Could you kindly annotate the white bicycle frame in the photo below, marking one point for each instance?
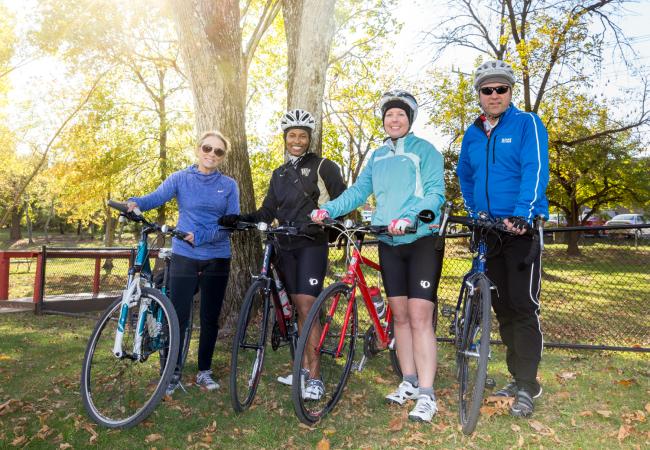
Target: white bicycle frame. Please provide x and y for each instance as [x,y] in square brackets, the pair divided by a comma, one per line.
[129,296]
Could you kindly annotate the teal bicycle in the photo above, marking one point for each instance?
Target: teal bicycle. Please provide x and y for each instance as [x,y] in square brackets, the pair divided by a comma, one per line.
[132,352]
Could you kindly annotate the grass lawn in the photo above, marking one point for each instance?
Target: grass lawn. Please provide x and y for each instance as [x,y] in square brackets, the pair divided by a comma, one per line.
[591,400]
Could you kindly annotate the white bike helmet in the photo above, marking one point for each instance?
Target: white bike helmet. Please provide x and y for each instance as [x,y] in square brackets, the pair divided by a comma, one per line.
[494,71]
[297,118]
[399,99]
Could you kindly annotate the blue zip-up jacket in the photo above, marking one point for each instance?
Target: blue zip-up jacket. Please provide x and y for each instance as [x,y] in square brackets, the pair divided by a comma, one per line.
[202,200]
[507,174]
[405,177]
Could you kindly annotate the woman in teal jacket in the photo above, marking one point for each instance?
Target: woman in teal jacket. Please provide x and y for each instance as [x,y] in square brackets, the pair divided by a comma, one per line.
[406,175]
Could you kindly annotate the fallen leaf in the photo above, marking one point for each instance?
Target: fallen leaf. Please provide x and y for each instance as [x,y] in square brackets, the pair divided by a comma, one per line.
[586,414]
[488,411]
[515,428]
[323,444]
[19,440]
[647,407]
[329,431]
[627,383]
[520,441]
[65,446]
[563,395]
[604,412]
[623,432]
[396,424]
[537,426]
[152,438]
[564,376]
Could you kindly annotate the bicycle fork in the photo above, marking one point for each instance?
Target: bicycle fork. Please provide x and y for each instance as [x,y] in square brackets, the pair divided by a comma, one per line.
[132,292]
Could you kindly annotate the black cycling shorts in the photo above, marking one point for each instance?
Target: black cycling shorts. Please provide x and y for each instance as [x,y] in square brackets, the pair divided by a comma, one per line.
[411,269]
[303,269]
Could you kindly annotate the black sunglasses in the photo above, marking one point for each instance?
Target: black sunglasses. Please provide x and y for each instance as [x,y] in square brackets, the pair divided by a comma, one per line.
[205,148]
[499,90]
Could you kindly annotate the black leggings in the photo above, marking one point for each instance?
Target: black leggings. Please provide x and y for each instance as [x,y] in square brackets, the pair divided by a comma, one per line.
[211,277]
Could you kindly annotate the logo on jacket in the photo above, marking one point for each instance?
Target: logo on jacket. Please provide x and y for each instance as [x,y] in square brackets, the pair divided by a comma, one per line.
[313,281]
[425,284]
[506,140]
[305,171]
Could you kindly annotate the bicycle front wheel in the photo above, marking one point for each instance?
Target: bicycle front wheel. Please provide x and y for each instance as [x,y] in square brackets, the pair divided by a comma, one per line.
[120,392]
[329,353]
[474,352]
[248,346]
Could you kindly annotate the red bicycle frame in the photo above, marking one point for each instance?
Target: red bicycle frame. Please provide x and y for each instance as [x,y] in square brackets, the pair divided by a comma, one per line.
[355,278]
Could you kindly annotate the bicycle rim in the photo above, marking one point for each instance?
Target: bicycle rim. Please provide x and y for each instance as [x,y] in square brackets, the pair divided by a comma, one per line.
[327,317]
[474,353]
[249,346]
[121,392]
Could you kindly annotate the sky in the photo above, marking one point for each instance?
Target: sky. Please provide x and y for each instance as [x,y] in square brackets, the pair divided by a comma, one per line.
[418,16]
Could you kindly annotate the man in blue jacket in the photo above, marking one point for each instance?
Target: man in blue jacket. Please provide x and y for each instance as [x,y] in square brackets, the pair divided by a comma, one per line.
[503,170]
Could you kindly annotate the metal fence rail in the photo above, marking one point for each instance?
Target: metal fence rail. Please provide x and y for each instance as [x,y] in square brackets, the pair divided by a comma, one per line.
[599,299]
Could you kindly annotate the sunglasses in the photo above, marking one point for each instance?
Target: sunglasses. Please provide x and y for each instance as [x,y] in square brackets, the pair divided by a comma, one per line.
[205,148]
[499,90]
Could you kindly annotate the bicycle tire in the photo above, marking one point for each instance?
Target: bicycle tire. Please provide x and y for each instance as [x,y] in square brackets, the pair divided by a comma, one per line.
[473,354]
[329,309]
[247,360]
[104,394]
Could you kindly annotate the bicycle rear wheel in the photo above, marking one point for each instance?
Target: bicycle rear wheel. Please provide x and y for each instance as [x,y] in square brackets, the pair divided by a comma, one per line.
[120,392]
[249,346]
[335,351]
[474,352]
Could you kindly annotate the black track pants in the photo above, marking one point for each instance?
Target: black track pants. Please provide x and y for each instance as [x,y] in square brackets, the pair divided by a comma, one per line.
[517,305]
[212,281]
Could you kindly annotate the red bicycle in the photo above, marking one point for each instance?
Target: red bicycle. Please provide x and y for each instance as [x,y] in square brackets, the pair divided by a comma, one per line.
[334,315]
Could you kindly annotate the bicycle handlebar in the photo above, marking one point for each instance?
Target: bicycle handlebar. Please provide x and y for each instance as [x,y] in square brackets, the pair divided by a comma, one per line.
[366,229]
[136,216]
[266,228]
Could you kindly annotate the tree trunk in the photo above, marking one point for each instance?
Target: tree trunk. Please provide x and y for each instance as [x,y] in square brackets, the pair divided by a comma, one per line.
[109,228]
[162,141]
[28,222]
[571,239]
[309,27]
[14,232]
[211,45]
[46,227]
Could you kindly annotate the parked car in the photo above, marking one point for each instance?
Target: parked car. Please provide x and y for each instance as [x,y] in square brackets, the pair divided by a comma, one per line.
[593,221]
[555,220]
[628,219]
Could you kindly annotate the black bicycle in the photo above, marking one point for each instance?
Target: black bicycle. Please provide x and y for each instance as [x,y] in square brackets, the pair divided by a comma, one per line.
[471,319]
[265,300]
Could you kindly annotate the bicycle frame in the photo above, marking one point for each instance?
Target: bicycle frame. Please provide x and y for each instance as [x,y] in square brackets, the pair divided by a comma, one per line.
[355,278]
[140,267]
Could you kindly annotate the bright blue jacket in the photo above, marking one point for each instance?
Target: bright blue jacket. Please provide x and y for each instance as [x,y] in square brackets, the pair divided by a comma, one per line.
[507,174]
[202,200]
[405,177]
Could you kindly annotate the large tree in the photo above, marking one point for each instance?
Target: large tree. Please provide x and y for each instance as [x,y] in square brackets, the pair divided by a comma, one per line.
[554,48]
[216,60]
[309,26]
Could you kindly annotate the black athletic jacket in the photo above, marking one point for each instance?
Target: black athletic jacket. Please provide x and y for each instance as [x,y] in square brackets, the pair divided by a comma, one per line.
[295,191]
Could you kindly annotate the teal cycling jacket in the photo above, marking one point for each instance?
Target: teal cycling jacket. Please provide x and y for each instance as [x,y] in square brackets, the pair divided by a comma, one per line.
[406,177]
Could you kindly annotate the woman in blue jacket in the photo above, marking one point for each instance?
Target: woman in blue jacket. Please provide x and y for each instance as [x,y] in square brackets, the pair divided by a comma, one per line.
[204,195]
[406,175]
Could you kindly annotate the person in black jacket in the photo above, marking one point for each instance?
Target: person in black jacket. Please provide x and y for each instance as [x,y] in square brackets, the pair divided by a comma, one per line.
[303,183]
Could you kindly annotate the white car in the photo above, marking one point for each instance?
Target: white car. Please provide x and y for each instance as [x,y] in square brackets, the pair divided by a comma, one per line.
[628,219]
